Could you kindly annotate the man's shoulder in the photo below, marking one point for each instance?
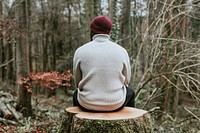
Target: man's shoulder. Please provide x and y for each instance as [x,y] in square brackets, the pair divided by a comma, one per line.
[83,46]
[118,46]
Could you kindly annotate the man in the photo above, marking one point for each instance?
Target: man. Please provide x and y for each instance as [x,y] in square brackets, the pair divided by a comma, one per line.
[102,71]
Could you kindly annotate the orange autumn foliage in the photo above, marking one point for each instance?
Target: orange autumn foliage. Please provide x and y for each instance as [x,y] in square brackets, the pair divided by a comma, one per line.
[8,30]
[50,80]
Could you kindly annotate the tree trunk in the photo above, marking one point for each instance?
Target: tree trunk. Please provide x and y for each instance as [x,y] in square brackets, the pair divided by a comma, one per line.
[28,19]
[24,96]
[125,25]
[97,7]
[54,28]
[91,9]
[171,99]
[113,16]
[127,120]
[193,32]
[112,10]
[44,43]
[2,56]
[69,26]
[54,21]
[9,67]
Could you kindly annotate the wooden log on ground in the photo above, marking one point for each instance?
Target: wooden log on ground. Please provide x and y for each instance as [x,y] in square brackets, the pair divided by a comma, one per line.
[127,120]
[8,121]
[5,111]
[16,114]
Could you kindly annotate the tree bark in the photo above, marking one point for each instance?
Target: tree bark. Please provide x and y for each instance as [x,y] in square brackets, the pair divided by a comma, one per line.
[44,43]
[9,77]
[112,10]
[127,120]
[113,16]
[125,25]
[193,31]
[24,96]
[2,56]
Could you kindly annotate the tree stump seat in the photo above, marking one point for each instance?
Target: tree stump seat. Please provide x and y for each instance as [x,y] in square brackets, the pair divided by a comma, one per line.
[126,120]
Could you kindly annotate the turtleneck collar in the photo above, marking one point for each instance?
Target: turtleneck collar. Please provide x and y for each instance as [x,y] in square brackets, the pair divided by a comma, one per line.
[101,37]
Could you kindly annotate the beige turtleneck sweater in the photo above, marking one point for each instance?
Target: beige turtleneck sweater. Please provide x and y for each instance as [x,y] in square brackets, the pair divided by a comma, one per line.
[101,70]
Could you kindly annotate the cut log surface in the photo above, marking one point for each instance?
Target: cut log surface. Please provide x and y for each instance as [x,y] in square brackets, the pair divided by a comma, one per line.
[127,120]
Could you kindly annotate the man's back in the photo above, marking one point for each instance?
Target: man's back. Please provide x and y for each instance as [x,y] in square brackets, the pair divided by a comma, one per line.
[104,69]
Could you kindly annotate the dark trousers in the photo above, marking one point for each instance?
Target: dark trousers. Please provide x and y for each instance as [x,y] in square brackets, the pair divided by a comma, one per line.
[129,102]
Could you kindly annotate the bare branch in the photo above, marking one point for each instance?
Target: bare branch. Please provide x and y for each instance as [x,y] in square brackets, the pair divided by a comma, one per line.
[6,63]
[191,113]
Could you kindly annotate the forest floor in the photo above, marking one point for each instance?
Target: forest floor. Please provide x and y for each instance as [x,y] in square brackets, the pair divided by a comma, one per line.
[48,114]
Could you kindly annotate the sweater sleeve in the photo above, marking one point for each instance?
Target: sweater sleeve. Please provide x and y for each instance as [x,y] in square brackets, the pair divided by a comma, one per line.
[127,69]
[76,69]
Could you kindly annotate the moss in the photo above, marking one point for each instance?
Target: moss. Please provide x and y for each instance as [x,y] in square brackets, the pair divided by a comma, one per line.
[138,125]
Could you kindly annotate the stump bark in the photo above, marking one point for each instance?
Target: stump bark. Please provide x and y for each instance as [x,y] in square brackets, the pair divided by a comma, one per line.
[127,120]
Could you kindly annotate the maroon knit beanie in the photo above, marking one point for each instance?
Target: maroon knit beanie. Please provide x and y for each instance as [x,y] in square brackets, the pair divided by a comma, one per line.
[101,25]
